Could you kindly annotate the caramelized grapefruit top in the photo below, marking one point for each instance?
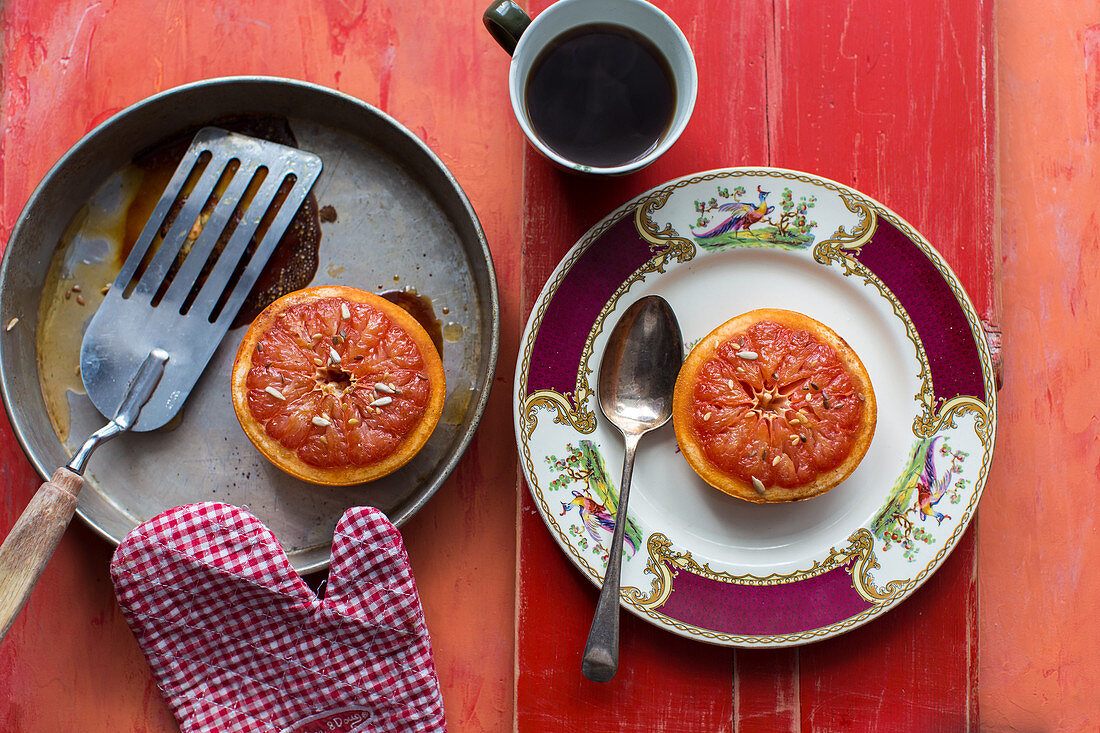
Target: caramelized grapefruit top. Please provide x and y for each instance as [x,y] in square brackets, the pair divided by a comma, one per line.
[773,406]
[337,386]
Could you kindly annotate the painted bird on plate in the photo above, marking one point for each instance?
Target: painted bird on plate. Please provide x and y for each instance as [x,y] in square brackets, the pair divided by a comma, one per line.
[930,489]
[741,216]
[607,498]
[595,517]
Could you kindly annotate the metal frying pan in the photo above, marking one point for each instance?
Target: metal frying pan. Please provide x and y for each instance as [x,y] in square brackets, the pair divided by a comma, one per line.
[398,220]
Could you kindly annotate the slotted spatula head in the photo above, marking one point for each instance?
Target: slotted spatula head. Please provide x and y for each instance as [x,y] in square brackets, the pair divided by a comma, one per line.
[192,267]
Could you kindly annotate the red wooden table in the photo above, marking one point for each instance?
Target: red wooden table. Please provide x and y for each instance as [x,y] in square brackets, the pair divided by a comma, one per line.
[894,99]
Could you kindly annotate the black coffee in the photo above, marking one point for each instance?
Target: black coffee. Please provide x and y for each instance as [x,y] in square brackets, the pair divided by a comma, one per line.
[600,95]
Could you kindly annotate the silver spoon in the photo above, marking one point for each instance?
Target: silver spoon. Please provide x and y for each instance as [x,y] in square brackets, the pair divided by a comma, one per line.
[637,374]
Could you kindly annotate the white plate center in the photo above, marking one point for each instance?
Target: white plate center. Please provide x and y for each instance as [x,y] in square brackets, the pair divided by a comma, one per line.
[735,535]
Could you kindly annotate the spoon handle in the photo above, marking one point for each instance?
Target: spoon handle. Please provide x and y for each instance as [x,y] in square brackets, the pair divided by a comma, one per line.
[601,653]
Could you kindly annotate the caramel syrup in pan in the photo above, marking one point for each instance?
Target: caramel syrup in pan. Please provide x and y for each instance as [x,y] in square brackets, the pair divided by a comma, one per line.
[420,308]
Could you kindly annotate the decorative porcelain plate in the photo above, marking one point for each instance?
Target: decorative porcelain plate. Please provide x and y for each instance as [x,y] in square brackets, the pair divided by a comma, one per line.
[709,566]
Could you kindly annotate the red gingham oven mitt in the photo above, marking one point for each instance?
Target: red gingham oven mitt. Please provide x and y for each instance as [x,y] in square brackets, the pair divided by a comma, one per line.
[238,642]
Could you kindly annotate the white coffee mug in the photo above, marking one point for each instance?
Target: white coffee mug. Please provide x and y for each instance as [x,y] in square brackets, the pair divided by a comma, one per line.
[525,39]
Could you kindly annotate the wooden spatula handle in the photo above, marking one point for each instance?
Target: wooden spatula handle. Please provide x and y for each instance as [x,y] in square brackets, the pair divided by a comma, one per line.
[32,541]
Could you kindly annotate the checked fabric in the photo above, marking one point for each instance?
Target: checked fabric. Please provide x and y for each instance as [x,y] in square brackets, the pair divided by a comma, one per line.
[238,642]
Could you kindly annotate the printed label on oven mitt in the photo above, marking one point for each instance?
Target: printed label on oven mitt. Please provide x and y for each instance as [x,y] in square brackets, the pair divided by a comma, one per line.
[238,642]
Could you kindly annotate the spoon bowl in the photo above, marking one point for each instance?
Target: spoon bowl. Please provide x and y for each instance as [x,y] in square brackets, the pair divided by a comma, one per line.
[637,375]
[639,367]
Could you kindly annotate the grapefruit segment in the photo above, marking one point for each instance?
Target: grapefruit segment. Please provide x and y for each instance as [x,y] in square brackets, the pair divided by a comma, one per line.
[773,406]
[337,386]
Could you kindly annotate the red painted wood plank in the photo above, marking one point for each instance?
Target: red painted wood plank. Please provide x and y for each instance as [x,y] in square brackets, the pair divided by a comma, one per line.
[895,100]
[1040,559]
[665,683]
[766,690]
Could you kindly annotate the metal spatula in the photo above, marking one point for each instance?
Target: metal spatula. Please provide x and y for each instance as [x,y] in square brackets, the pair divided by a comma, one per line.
[165,315]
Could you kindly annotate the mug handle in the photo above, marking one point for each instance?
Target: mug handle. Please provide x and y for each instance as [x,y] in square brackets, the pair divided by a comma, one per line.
[506,22]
